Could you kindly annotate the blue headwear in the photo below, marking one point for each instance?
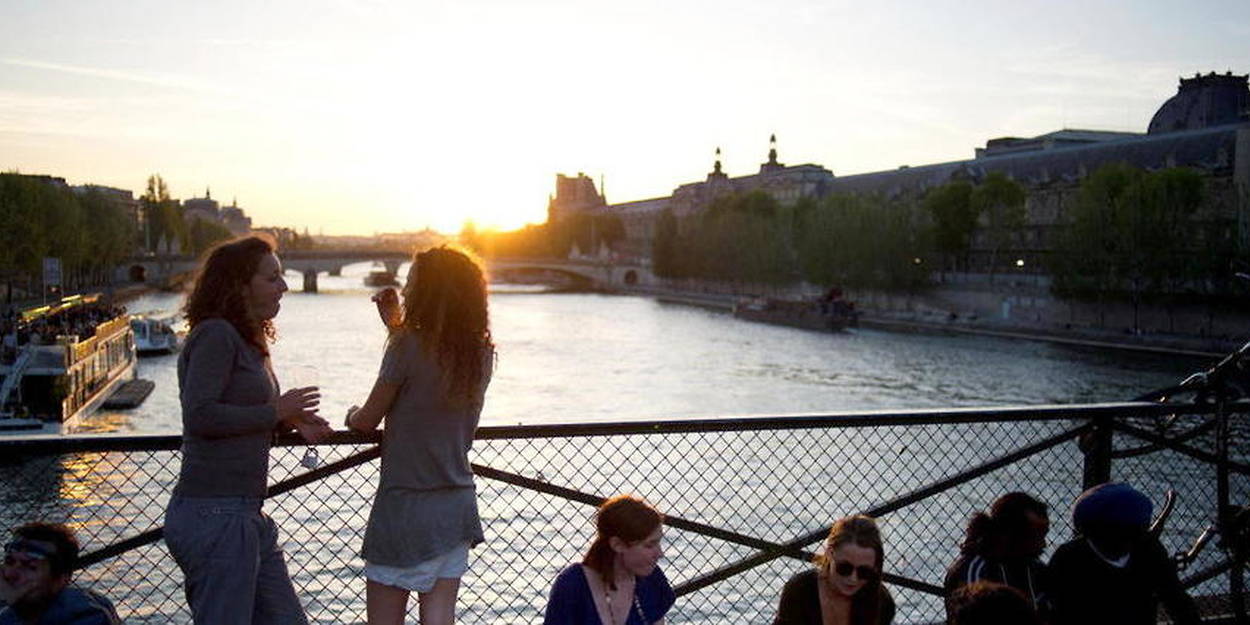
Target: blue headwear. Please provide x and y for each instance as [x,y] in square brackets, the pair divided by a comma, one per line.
[1113,503]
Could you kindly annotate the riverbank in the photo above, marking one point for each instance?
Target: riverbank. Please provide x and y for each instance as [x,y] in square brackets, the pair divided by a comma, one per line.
[895,321]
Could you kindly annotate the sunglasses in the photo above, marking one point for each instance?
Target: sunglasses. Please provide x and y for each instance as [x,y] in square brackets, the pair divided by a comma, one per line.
[865,573]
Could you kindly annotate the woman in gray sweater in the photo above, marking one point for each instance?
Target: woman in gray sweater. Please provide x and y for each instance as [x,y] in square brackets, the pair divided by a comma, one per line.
[227,548]
[433,377]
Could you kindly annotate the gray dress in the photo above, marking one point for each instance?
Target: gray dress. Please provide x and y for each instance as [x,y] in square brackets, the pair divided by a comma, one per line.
[426,504]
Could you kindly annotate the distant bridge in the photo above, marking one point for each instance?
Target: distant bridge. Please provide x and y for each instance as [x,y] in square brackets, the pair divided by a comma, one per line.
[169,270]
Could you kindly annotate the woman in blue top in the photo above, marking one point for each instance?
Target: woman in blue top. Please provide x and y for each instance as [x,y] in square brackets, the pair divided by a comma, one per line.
[618,582]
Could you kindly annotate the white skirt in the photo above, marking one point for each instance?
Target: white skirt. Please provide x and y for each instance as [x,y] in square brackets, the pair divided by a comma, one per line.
[422,576]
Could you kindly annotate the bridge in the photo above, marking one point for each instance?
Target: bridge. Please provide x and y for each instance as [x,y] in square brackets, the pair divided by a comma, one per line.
[169,270]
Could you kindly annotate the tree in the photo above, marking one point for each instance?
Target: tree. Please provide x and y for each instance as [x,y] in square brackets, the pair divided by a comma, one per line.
[164,225]
[954,219]
[202,234]
[999,204]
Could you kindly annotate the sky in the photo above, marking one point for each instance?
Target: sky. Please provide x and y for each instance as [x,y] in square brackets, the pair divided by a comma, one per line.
[356,117]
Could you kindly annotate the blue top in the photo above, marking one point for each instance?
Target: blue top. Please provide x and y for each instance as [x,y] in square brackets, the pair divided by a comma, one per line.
[570,602]
[72,606]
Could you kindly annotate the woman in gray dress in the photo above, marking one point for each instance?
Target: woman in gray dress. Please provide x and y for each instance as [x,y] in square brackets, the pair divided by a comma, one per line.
[227,548]
[429,390]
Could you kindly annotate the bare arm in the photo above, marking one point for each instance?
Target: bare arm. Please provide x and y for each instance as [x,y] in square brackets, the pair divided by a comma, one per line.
[368,417]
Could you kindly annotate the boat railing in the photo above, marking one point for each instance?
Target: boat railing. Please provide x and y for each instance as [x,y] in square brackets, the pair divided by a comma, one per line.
[748,499]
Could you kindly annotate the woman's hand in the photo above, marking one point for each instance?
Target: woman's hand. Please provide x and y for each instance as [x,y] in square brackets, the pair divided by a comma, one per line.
[313,431]
[387,301]
[299,404]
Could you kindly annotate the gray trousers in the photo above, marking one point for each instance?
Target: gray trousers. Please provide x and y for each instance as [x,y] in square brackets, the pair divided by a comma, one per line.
[234,569]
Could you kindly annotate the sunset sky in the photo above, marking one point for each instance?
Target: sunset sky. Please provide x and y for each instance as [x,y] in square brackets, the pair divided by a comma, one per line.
[367,116]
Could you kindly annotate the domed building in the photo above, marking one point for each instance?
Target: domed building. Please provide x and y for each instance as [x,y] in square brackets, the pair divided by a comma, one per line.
[1204,102]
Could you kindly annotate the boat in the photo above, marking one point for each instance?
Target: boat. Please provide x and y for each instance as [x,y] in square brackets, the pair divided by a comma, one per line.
[52,385]
[153,335]
[827,314]
[381,277]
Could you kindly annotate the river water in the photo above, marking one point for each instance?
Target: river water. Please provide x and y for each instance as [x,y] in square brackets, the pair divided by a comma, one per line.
[576,357]
[588,357]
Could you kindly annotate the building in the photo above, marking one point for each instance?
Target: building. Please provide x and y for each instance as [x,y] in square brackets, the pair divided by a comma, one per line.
[207,209]
[1204,126]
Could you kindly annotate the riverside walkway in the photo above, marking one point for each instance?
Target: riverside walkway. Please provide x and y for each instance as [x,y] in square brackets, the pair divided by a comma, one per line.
[747,499]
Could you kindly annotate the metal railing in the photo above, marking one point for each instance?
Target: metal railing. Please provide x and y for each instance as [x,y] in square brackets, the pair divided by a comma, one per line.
[748,499]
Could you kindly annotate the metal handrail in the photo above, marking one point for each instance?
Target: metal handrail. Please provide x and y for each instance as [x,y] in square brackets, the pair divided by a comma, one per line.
[1085,420]
[56,443]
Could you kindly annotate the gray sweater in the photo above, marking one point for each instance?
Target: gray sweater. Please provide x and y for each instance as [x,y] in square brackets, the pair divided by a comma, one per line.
[229,412]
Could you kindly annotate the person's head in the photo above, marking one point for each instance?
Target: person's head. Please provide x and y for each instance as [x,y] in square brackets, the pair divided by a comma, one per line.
[989,603]
[851,564]
[240,281]
[1113,516]
[445,304]
[39,562]
[629,532]
[1014,528]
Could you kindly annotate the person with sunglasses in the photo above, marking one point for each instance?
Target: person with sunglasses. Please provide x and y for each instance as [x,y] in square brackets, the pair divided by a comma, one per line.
[35,581]
[845,585]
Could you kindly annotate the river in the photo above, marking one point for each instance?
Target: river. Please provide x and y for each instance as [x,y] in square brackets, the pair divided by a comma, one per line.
[582,357]
[575,357]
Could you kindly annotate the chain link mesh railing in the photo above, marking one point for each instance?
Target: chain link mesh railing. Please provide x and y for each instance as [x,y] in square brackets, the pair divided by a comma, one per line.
[748,500]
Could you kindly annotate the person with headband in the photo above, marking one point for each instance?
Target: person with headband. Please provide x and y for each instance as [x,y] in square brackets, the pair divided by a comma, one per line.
[619,581]
[1114,571]
[35,587]
[844,588]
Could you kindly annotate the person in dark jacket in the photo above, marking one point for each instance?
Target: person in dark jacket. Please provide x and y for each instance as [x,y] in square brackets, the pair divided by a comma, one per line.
[1004,545]
[35,581]
[990,603]
[1114,571]
[845,586]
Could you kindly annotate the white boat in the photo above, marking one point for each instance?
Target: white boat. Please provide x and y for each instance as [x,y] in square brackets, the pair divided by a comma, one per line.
[57,384]
[153,335]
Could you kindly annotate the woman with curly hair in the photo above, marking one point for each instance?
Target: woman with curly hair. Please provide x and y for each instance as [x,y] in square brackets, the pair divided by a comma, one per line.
[433,378]
[227,548]
[844,587]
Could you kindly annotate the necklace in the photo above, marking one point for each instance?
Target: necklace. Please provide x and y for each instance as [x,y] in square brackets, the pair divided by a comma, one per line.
[607,597]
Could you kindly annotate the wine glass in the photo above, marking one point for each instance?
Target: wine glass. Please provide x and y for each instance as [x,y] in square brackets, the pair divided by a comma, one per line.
[302,376]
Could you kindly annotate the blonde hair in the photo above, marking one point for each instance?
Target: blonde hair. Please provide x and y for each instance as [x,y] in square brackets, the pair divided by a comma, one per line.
[445,305]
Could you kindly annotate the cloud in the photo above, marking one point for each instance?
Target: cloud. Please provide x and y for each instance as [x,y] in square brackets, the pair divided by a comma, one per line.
[171,82]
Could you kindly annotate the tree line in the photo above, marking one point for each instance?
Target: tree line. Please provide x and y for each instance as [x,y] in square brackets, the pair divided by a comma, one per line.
[89,231]
[1125,233]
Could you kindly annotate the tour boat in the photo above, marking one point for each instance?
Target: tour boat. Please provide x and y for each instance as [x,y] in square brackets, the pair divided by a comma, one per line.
[153,335]
[58,383]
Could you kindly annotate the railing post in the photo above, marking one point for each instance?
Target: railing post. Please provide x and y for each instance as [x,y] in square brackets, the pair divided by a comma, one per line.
[1097,447]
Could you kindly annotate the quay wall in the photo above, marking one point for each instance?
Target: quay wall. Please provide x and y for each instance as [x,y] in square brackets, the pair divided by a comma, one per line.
[1018,304]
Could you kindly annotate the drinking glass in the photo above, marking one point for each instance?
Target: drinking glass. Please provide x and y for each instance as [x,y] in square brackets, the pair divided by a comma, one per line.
[302,376]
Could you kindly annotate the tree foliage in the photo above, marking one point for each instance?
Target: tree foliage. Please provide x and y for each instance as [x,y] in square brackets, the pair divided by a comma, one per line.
[954,220]
[998,203]
[38,218]
[1133,233]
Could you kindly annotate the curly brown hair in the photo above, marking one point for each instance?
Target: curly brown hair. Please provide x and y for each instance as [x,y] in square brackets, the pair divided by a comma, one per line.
[445,305]
[218,292]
